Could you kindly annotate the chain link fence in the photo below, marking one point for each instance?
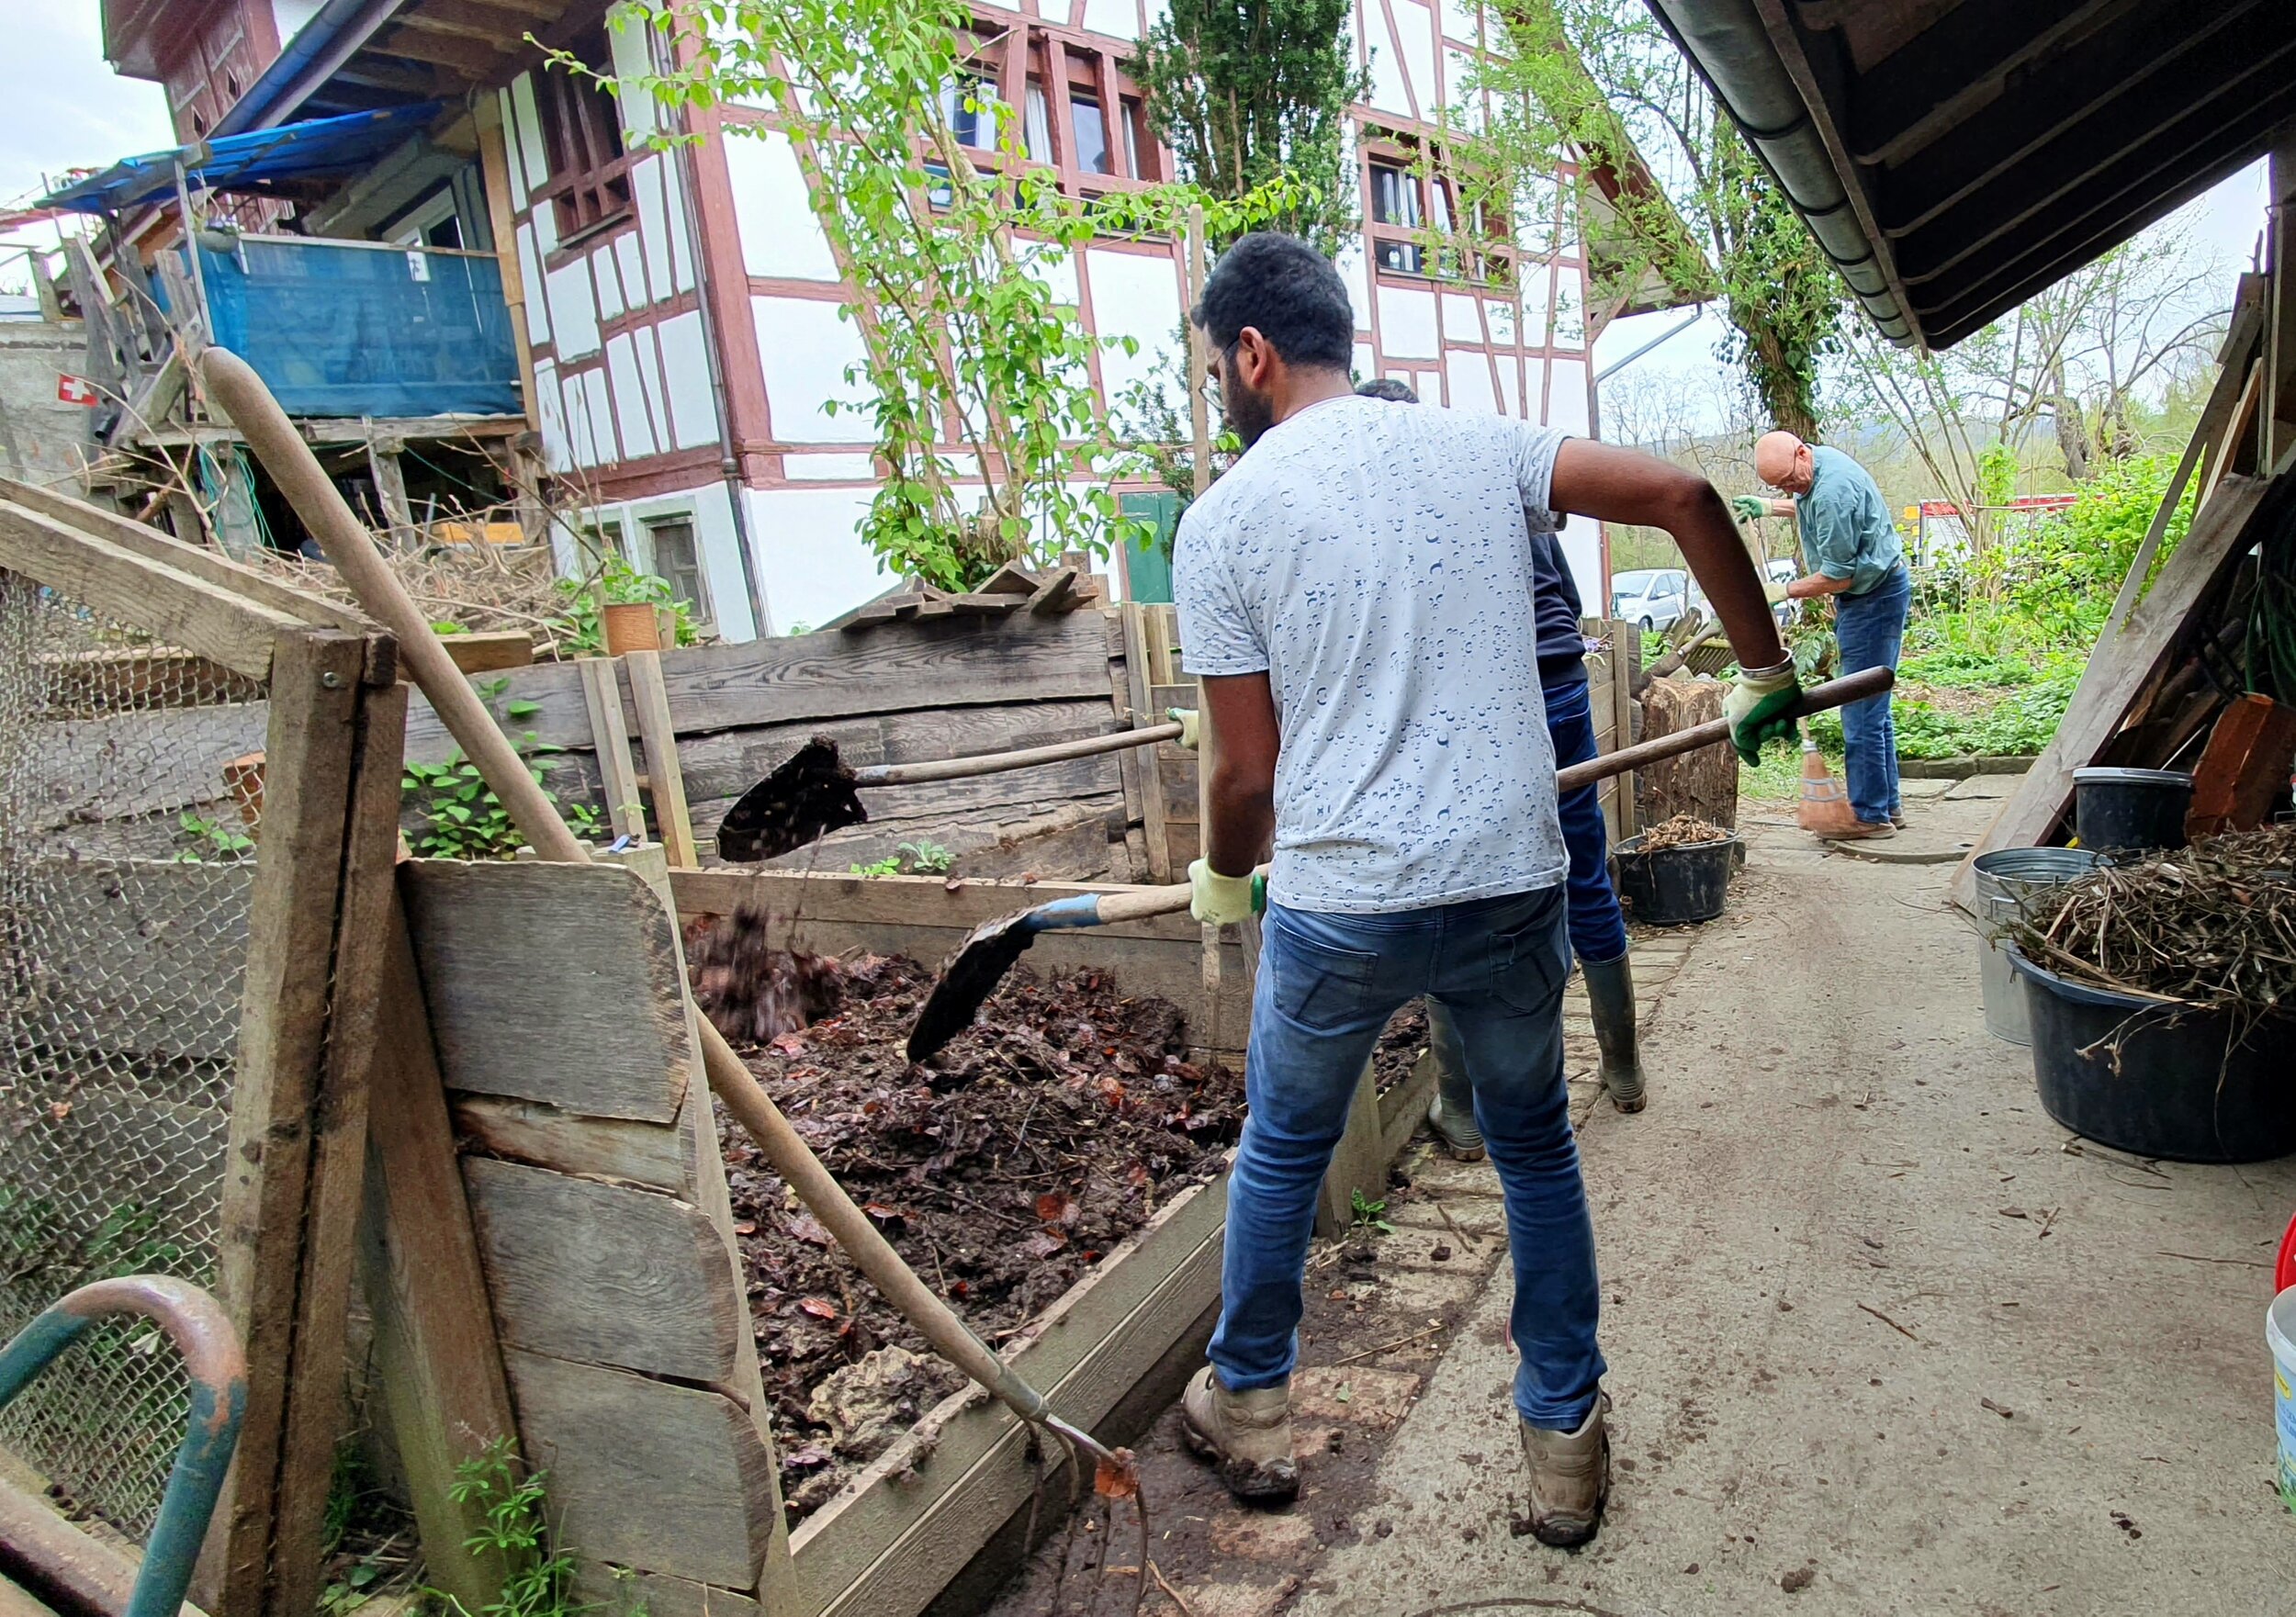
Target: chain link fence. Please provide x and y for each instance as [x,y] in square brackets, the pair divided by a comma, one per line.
[130,789]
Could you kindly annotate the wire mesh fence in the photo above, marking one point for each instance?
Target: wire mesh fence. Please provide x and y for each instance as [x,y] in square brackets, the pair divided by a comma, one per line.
[129,790]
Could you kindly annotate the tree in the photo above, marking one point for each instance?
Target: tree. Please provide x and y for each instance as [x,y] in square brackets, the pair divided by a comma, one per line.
[1248,92]
[1663,181]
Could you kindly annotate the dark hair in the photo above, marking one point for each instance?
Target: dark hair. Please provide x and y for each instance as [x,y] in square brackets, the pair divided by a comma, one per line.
[1389,390]
[1290,292]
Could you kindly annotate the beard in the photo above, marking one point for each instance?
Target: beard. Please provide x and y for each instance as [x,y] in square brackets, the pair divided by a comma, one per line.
[1249,413]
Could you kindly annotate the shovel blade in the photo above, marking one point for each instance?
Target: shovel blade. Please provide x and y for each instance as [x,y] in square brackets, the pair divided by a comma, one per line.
[808,797]
[972,974]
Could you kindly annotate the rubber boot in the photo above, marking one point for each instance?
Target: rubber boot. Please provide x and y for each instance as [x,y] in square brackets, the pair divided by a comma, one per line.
[1451,1109]
[1610,996]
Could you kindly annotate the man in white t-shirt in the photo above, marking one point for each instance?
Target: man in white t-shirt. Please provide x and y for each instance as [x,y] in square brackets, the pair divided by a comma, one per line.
[1354,593]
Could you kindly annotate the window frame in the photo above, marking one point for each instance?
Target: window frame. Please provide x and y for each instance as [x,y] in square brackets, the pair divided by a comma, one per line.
[704,612]
[1493,260]
[588,161]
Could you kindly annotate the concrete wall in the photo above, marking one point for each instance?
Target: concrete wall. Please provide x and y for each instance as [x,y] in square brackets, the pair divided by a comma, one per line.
[43,440]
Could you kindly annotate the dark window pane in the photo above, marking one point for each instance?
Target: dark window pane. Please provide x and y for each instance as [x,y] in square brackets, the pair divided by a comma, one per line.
[1404,257]
[1092,133]
[1394,196]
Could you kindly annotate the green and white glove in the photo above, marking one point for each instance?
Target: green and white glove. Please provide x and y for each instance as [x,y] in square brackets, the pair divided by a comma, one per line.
[1772,591]
[1758,708]
[1749,508]
[1186,718]
[1224,901]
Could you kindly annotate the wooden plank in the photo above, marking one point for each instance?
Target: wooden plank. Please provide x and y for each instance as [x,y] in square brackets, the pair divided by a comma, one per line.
[1151,765]
[611,1590]
[605,1273]
[644,1474]
[601,693]
[172,606]
[665,780]
[292,916]
[317,1416]
[1626,656]
[1121,709]
[485,652]
[1359,1165]
[2118,669]
[889,1542]
[954,662]
[437,1361]
[612,1149]
[130,765]
[558,984]
[197,560]
[1057,594]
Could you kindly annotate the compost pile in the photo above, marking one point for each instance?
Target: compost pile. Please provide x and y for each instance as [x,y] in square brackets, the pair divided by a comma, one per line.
[2212,925]
[1400,1042]
[1002,1170]
[1681,831]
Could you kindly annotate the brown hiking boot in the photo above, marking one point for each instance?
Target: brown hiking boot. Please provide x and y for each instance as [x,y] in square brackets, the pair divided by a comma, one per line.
[1248,1433]
[1570,1478]
[1859,830]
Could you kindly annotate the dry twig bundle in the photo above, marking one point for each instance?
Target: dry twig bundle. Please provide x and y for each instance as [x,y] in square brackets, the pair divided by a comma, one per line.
[2212,927]
[484,588]
[1681,831]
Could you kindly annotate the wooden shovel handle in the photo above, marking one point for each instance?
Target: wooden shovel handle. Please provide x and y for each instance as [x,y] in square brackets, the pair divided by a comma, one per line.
[991,763]
[1817,699]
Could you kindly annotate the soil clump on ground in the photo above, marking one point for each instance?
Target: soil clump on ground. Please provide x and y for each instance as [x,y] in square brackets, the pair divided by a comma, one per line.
[1003,1170]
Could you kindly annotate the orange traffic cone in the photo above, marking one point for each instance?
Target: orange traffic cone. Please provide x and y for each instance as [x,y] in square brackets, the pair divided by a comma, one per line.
[1825,805]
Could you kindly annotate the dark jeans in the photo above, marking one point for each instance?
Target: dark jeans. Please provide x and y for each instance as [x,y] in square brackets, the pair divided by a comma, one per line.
[1598,928]
[1327,985]
[1870,629]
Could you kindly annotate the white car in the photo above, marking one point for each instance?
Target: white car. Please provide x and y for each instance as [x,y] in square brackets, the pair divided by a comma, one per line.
[1649,598]
[1778,569]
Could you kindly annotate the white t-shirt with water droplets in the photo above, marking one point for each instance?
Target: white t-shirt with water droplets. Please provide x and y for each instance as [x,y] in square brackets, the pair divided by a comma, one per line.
[1374,560]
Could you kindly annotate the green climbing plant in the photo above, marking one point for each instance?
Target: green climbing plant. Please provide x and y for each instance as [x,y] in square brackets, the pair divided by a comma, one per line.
[457,814]
[954,249]
[581,629]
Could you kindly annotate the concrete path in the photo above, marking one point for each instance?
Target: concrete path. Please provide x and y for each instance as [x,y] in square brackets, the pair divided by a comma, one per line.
[1883,1339]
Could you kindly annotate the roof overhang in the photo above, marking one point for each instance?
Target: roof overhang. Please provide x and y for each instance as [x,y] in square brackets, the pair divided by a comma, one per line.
[1954,157]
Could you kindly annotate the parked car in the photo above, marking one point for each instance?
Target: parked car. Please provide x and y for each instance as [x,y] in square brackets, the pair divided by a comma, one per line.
[1651,597]
[1778,569]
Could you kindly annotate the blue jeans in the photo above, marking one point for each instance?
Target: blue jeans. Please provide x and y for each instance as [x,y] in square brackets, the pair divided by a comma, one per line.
[1871,631]
[1327,985]
[1598,928]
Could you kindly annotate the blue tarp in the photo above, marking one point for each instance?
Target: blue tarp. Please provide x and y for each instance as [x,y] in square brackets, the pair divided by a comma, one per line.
[322,149]
[351,328]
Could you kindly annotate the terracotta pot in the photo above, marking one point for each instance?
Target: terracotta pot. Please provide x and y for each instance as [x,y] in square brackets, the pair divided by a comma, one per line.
[631,626]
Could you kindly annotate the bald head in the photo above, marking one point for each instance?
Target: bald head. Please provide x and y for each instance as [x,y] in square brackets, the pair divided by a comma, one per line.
[1784,462]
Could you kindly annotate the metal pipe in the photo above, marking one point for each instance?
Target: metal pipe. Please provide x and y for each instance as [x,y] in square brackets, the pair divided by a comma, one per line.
[1696,314]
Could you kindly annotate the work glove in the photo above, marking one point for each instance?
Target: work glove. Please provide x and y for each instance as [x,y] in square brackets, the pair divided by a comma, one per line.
[1224,901]
[1186,718]
[1749,508]
[1772,591]
[1757,708]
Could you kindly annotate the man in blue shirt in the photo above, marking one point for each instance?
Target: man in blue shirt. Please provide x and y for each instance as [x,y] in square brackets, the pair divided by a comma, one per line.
[1853,555]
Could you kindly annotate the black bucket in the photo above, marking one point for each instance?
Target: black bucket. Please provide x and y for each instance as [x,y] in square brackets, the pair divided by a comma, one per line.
[2150,1080]
[1677,886]
[2130,811]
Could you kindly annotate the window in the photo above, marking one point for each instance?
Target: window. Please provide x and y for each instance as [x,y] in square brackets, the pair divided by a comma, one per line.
[1395,201]
[1092,133]
[969,107]
[581,134]
[1038,125]
[677,558]
[599,540]
[1131,119]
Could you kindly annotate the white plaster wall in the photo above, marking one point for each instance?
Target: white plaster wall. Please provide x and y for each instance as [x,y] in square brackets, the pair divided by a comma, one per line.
[1415,28]
[1469,375]
[652,224]
[1117,17]
[629,262]
[804,349]
[608,282]
[632,418]
[686,372]
[516,167]
[1407,323]
[811,562]
[780,235]
[830,466]
[1583,548]
[573,313]
[537,294]
[1387,92]
[1354,269]
[1566,399]
[527,125]
[556,451]
[1133,296]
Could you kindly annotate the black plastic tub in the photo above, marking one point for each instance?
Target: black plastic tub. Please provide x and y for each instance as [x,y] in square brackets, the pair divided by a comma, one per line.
[2130,811]
[2155,1082]
[1677,886]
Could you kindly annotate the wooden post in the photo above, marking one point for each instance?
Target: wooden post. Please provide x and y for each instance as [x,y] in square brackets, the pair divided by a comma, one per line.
[1625,661]
[311,766]
[1198,353]
[390,487]
[611,736]
[650,698]
[436,1356]
[316,1414]
[494,170]
[1136,679]
[2280,369]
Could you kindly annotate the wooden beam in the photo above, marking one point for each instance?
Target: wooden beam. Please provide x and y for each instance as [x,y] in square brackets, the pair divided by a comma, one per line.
[473,59]
[625,813]
[464,19]
[650,698]
[485,652]
[176,607]
[436,1357]
[315,1412]
[309,771]
[1151,821]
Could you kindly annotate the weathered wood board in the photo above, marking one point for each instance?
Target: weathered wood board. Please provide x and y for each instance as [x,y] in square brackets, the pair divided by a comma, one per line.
[577,962]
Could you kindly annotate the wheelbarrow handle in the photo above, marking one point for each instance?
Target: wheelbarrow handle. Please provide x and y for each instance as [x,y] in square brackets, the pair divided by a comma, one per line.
[991,763]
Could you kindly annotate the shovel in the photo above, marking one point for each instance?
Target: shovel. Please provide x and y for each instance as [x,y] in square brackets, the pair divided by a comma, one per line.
[234,385]
[991,948]
[813,793]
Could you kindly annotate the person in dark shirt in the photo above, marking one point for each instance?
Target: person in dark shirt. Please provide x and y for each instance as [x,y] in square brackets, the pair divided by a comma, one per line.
[1598,927]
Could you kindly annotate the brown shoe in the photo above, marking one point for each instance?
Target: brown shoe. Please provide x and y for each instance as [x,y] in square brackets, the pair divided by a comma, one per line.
[1897,820]
[1570,1478]
[1859,830]
[1248,1433]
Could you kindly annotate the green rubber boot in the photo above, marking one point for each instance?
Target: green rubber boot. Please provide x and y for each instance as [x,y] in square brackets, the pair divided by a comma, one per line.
[1610,995]
[1451,1111]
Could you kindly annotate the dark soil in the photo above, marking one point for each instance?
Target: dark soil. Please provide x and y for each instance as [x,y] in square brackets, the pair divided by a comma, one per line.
[1003,1170]
[1400,1044]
